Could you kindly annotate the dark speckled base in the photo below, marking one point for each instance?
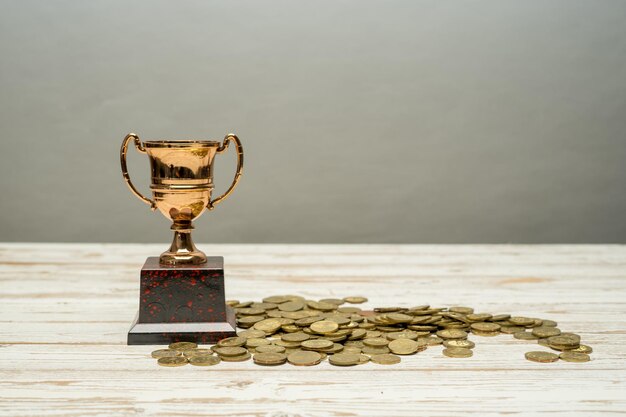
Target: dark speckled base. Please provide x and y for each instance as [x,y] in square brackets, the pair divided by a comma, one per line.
[182,303]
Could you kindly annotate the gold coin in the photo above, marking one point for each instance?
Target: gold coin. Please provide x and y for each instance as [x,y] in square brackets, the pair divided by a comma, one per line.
[501,317]
[431,340]
[570,356]
[376,342]
[355,300]
[304,358]
[564,342]
[195,352]
[276,299]
[404,346]
[270,349]
[485,327]
[324,326]
[251,333]
[463,343]
[269,358]
[250,311]
[549,323]
[486,334]
[541,356]
[204,360]
[363,359]
[369,350]
[295,337]
[319,305]
[511,329]
[269,326]
[404,334]
[452,334]
[521,321]
[357,334]
[348,310]
[457,352]
[232,341]
[172,361]
[182,346]
[351,349]
[317,344]
[385,359]
[291,306]
[543,332]
[248,321]
[524,335]
[237,358]
[461,310]
[475,317]
[229,351]
[582,349]
[255,342]
[397,318]
[282,343]
[165,353]
[335,301]
[344,359]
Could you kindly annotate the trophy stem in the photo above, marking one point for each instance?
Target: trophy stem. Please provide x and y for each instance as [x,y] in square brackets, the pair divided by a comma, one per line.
[182,251]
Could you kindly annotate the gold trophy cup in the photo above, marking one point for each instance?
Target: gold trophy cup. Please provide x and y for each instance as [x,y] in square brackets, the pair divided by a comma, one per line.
[182,183]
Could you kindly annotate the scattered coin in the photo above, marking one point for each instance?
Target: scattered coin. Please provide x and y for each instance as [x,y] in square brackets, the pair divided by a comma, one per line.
[290,328]
[317,344]
[232,341]
[182,346]
[405,346]
[582,349]
[457,352]
[463,343]
[452,334]
[230,351]
[204,360]
[543,332]
[172,361]
[269,358]
[376,342]
[236,358]
[385,359]
[541,356]
[571,356]
[165,353]
[524,335]
[324,326]
[355,300]
[344,359]
[196,352]
[304,358]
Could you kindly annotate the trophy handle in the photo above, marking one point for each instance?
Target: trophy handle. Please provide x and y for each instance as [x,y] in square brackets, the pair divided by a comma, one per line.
[123,152]
[221,149]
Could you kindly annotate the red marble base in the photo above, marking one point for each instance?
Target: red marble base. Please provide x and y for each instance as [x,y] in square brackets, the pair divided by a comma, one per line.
[182,303]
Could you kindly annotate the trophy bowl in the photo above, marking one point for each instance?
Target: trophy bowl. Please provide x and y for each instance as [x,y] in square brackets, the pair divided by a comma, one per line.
[181,185]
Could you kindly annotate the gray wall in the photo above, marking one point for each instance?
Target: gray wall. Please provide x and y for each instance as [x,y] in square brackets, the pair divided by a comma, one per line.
[362,121]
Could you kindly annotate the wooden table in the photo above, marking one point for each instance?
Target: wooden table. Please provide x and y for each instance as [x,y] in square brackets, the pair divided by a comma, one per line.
[66,309]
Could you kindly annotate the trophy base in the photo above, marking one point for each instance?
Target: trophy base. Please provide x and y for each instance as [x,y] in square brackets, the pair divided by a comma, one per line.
[182,303]
[166,333]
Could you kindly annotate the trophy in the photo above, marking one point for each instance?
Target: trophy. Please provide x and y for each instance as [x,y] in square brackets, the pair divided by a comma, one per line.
[182,291]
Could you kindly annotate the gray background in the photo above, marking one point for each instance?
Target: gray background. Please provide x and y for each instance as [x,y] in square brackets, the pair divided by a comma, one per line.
[397,121]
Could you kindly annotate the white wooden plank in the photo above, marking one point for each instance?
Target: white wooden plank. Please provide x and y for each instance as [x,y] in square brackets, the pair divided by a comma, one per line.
[65,310]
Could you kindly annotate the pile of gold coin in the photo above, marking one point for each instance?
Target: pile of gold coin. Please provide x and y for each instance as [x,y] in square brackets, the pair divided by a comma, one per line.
[291,329]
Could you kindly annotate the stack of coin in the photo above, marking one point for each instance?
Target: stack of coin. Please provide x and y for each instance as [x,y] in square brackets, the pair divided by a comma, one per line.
[302,332]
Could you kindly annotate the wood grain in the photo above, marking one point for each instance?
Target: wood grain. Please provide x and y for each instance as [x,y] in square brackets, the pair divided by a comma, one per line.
[66,308]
